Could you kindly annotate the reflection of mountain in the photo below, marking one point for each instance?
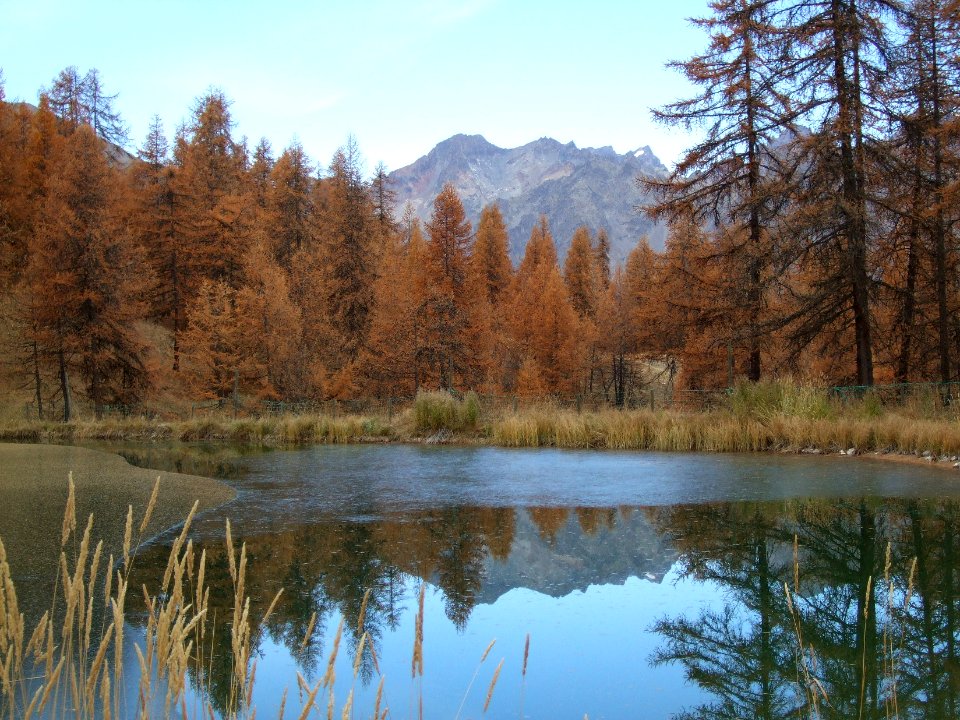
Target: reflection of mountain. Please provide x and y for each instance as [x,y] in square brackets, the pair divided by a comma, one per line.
[622,544]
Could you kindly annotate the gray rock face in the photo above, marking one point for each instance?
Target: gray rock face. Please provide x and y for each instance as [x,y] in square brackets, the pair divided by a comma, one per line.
[572,186]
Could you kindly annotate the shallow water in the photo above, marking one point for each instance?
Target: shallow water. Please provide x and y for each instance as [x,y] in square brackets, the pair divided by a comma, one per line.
[649,584]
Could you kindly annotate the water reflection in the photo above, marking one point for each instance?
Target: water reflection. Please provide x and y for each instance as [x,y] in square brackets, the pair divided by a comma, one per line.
[879,634]
[882,629]
[638,605]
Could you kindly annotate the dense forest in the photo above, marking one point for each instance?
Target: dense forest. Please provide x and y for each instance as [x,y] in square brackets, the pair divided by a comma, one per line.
[812,233]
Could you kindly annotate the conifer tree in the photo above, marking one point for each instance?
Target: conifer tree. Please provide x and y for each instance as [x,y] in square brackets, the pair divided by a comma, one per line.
[268,329]
[602,251]
[348,263]
[153,212]
[581,273]
[389,363]
[923,92]
[490,253]
[729,178]
[447,309]
[85,269]
[543,324]
[289,220]
[212,210]
[260,169]
[211,357]
[836,58]
[384,198]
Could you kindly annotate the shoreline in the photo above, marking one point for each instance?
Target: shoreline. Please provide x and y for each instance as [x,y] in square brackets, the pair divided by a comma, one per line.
[36,476]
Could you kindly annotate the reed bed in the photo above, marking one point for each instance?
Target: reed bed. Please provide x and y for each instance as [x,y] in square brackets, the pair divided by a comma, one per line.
[780,416]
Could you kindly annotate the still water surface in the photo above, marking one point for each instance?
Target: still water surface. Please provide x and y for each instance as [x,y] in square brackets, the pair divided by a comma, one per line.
[650,584]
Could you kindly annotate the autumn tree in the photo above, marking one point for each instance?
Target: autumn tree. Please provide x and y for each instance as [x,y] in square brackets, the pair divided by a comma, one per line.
[836,58]
[389,363]
[581,273]
[99,110]
[543,328]
[384,198]
[84,274]
[80,100]
[348,264]
[212,211]
[268,329]
[490,257]
[729,178]
[602,252]
[211,356]
[261,166]
[449,308]
[153,213]
[289,218]
[922,94]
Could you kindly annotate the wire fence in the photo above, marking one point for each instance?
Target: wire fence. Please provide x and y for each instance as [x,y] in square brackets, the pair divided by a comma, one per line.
[928,396]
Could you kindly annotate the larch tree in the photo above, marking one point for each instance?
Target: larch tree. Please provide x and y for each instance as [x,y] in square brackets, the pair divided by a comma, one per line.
[728,179]
[288,218]
[602,252]
[581,273]
[446,311]
[836,56]
[268,329]
[616,337]
[99,111]
[261,166]
[543,324]
[153,212]
[384,199]
[88,274]
[388,364]
[348,264]
[211,356]
[922,96]
[65,96]
[213,215]
[490,256]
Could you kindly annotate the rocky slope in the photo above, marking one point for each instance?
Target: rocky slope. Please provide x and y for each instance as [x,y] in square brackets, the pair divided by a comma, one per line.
[572,186]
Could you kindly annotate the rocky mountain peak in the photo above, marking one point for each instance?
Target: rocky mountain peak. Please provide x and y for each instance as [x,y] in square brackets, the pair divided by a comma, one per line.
[572,186]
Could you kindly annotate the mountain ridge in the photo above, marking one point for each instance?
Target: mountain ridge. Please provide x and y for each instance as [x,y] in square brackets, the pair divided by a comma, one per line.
[572,186]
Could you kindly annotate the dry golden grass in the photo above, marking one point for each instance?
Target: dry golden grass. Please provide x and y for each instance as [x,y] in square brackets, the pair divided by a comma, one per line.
[768,416]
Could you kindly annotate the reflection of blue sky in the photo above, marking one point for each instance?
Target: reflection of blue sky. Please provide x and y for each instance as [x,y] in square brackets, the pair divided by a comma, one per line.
[589,654]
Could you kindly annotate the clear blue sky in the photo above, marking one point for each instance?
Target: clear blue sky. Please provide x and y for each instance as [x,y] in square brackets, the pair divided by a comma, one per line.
[399,76]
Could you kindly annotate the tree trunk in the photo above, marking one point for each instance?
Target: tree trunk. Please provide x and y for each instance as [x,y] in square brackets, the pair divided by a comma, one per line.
[36,380]
[65,387]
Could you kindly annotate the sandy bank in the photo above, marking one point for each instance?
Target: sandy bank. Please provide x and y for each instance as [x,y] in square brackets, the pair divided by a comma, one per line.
[33,493]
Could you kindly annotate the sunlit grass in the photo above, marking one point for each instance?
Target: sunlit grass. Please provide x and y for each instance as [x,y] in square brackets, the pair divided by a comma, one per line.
[778,416]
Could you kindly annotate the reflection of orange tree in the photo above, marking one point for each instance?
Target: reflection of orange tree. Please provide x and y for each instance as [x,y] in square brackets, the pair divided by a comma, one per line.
[331,566]
[549,521]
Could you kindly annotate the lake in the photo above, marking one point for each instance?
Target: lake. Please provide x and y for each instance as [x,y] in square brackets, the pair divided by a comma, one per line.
[649,585]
